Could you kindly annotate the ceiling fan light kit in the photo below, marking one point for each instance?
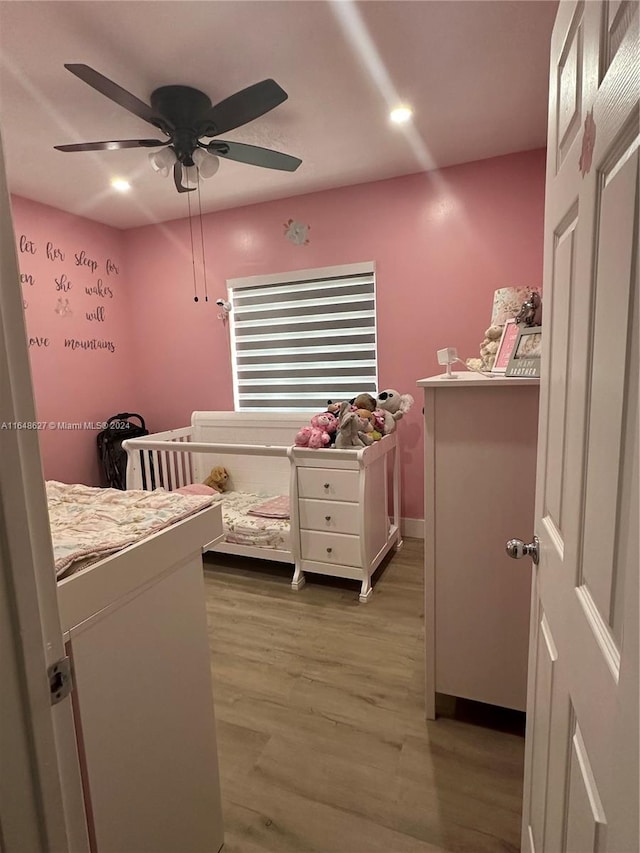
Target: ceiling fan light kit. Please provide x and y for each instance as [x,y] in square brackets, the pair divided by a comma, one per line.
[185,116]
[162,161]
[206,163]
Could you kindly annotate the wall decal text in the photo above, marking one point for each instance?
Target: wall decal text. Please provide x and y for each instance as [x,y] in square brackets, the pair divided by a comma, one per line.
[98,315]
[54,253]
[99,289]
[27,246]
[39,342]
[63,283]
[89,344]
[83,260]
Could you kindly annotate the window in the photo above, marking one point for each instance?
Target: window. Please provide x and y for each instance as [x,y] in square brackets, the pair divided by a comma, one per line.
[300,339]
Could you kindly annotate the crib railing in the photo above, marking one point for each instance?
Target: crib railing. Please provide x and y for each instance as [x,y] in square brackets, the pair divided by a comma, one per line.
[168,459]
[167,465]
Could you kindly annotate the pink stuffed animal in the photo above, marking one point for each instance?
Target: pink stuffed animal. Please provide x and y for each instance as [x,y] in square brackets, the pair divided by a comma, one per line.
[327,422]
[318,438]
[302,437]
[319,433]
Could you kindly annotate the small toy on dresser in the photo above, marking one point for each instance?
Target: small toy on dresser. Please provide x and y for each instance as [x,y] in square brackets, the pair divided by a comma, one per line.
[321,433]
[352,429]
[217,479]
[376,422]
[394,406]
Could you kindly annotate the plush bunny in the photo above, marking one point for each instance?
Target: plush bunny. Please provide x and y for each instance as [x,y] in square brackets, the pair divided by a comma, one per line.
[351,429]
[394,405]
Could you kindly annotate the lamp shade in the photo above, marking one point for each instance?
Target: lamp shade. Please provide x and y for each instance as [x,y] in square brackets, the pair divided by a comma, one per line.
[162,161]
[507,301]
[208,164]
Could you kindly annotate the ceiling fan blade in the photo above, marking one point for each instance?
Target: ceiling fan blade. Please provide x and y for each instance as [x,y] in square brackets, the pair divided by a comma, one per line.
[254,155]
[116,93]
[243,107]
[114,145]
[177,177]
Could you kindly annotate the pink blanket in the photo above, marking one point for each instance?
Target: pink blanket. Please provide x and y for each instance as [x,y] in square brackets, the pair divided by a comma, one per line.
[273,508]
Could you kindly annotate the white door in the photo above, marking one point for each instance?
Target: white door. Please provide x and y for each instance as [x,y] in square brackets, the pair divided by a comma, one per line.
[41,806]
[581,775]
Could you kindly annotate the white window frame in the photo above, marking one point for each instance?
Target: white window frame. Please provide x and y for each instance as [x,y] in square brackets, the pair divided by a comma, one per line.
[342,270]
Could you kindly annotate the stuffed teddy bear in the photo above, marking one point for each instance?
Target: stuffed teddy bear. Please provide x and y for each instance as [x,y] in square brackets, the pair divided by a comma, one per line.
[351,429]
[217,479]
[318,438]
[302,437]
[489,347]
[370,417]
[319,434]
[326,422]
[364,401]
[394,405]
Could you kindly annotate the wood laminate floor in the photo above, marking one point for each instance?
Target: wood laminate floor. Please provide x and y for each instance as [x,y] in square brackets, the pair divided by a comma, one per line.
[322,740]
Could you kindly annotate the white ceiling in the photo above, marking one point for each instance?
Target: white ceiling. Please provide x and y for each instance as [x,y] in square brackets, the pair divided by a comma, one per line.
[474,72]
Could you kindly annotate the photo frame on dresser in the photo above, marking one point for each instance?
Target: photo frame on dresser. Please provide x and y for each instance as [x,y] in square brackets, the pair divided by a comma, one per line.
[506,346]
[526,355]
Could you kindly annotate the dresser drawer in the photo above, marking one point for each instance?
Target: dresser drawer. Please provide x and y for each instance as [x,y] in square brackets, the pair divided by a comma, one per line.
[330,547]
[331,483]
[329,516]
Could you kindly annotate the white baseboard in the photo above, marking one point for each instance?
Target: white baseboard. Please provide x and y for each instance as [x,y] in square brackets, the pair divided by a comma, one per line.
[412,528]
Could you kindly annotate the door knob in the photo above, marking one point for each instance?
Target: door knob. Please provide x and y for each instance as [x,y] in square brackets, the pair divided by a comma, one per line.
[517,549]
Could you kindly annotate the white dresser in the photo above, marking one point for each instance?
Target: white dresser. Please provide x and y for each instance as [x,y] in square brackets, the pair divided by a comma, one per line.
[480,461]
[342,525]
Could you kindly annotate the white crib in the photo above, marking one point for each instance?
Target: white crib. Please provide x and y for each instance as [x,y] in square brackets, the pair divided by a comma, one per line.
[340,523]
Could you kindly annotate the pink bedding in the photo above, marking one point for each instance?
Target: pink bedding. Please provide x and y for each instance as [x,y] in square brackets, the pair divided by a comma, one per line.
[273,508]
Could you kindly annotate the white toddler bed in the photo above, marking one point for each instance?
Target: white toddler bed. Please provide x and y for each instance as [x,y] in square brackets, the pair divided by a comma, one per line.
[339,521]
[132,612]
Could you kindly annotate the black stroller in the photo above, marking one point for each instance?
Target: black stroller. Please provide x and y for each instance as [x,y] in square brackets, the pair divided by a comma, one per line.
[112,457]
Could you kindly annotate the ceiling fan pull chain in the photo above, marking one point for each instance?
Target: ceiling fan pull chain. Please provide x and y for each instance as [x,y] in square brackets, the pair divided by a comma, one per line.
[193,259]
[204,263]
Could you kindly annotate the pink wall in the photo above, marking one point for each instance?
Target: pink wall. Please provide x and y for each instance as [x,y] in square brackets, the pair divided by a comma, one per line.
[442,243]
[81,367]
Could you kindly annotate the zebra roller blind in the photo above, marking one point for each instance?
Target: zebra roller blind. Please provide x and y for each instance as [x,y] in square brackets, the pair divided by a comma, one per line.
[303,338]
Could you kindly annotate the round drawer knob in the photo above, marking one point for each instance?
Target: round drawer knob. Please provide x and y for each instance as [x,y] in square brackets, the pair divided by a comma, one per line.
[326,485]
[329,550]
[327,518]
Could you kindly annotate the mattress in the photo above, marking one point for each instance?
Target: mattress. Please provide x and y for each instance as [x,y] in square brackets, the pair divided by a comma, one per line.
[88,523]
[259,532]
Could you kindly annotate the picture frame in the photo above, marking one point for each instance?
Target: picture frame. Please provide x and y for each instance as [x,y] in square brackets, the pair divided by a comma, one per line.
[525,358]
[506,346]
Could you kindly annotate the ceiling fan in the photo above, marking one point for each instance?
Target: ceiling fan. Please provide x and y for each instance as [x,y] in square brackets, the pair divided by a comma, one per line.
[185,116]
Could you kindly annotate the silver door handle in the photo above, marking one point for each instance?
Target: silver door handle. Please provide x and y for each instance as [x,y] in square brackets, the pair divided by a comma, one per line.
[517,549]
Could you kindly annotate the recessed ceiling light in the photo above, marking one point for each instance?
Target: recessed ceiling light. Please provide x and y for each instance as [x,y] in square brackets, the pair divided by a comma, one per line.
[121,185]
[401,114]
